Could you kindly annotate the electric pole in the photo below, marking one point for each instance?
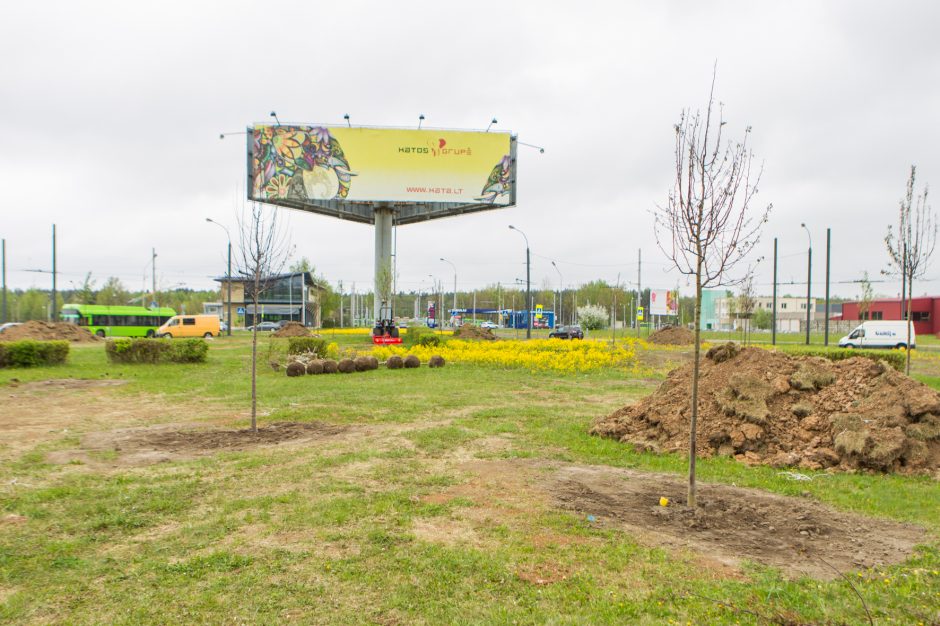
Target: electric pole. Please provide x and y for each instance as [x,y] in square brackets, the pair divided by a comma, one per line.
[54,298]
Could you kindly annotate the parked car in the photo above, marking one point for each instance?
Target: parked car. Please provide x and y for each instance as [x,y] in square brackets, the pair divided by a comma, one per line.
[572,331]
[190,326]
[266,326]
[488,324]
[3,327]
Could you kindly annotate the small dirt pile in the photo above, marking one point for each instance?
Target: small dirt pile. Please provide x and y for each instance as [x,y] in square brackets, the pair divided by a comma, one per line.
[673,335]
[781,410]
[469,331]
[48,331]
[292,329]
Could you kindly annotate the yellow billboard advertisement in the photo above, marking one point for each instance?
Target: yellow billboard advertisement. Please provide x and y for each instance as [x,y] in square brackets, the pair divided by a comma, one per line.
[298,164]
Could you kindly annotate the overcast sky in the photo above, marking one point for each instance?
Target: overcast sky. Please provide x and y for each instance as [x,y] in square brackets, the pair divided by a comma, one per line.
[110,115]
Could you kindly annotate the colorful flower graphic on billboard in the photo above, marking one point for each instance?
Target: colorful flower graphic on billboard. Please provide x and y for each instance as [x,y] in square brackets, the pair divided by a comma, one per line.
[298,163]
[498,183]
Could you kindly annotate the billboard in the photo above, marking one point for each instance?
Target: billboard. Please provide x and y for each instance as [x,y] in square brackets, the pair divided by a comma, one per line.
[331,167]
[664,302]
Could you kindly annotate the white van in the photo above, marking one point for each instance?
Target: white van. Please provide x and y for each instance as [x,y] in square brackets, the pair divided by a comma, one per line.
[879,334]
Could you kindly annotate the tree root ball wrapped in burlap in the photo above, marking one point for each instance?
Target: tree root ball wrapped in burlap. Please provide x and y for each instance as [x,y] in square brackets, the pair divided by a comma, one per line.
[394,362]
[330,366]
[315,367]
[296,368]
[373,363]
[346,366]
[362,363]
[412,361]
[436,361]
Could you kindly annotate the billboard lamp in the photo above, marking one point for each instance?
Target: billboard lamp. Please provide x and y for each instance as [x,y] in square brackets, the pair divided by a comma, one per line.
[491,124]
[540,148]
[274,115]
[346,117]
[420,119]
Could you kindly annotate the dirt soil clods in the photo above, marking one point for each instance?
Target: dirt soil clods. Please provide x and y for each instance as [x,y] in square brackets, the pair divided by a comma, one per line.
[48,331]
[469,331]
[800,536]
[782,410]
[292,329]
[673,335]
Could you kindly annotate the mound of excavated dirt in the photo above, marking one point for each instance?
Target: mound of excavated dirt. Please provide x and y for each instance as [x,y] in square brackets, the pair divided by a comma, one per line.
[781,410]
[47,331]
[469,331]
[673,335]
[292,329]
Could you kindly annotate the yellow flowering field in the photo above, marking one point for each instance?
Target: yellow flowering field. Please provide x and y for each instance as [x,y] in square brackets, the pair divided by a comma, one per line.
[536,354]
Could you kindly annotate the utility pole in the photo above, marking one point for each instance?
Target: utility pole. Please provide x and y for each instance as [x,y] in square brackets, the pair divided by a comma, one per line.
[3,262]
[54,297]
[153,284]
[773,309]
[809,279]
[828,247]
[639,289]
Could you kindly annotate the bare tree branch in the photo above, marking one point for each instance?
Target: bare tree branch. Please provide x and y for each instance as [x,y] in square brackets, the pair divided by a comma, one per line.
[912,246]
[262,253]
[707,226]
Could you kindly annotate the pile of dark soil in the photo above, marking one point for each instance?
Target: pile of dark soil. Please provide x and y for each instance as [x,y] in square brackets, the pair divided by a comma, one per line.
[469,331]
[732,524]
[673,335]
[292,329]
[773,408]
[196,440]
[48,331]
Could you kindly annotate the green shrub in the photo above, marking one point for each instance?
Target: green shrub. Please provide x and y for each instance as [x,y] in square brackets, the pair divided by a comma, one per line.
[29,353]
[127,350]
[188,350]
[894,358]
[423,336]
[304,345]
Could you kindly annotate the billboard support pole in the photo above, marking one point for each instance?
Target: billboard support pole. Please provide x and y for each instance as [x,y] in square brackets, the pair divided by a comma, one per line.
[384,217]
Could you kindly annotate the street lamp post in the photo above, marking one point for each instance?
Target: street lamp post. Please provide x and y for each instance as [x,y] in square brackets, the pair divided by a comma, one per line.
[809,277]
[528,284]
[561,293]
[228,277]
[455,285]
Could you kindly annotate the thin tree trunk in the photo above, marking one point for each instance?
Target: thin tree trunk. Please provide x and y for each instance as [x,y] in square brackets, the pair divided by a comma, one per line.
[910,321]
[254,361]
[698,350]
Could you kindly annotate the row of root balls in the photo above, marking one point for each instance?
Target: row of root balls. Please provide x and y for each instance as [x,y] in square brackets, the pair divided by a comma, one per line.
[359,364]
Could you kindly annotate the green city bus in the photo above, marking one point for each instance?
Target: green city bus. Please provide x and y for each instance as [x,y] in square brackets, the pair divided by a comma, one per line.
[117,321]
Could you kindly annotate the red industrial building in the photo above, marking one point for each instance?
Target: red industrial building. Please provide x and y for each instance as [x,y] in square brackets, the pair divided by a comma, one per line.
[925,312]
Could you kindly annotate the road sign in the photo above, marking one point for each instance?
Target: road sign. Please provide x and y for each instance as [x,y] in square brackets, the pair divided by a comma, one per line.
[639,314]
[240,310]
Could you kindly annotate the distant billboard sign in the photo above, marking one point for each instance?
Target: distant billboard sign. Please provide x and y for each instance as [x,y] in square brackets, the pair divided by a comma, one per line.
[664,302]
[331,169]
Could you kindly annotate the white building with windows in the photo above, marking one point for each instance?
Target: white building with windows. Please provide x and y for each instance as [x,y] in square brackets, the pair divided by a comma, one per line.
[790,312]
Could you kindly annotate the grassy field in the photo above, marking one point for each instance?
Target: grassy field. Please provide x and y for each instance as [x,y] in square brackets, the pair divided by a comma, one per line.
[411,510]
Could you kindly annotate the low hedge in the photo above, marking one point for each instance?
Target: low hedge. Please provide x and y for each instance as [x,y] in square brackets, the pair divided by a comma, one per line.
[306,345]
[156,350]
[28,353]
[894,358]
